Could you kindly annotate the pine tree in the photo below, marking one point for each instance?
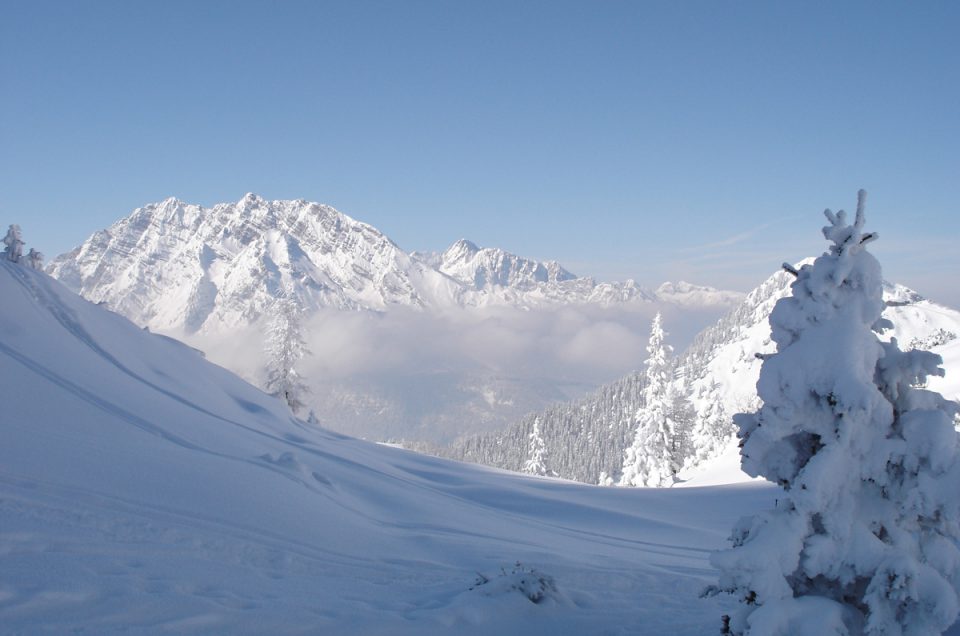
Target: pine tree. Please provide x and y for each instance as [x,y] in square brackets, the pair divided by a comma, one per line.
[684,418]
[285,347]
[651,460]
[863,539]
[536,454]
[35,259]
[14,243]
[713,428]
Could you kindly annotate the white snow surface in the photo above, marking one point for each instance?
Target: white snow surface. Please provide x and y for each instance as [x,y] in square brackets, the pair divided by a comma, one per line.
[145,490]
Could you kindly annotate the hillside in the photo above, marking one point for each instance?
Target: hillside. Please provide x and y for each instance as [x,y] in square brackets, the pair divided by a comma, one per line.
[143,489]
[585,438]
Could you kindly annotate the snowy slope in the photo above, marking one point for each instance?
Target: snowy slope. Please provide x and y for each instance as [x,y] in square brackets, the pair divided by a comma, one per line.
[144,490]
[724,354]
[721,361]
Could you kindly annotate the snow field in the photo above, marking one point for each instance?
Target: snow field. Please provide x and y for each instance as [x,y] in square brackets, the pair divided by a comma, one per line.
[145,490]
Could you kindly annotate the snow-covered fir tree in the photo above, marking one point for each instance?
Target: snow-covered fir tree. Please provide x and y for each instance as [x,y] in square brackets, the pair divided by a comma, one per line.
[285,347]
[713,428]
[864,538]
[536,463]
[35,259]
[13,243]
[653,459]
[684,418]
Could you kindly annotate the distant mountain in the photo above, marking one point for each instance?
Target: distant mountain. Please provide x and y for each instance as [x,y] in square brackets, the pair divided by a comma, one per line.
[486,268]
[683,293]
[173,265]
[176,265]
[588,436]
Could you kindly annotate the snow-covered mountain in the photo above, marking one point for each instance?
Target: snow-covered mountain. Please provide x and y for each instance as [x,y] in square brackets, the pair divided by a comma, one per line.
[485,268]
[586,437]
[684,293]
[177,266]
[144,490]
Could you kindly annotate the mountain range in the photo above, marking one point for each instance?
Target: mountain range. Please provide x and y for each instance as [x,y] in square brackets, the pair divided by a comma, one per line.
[178,266]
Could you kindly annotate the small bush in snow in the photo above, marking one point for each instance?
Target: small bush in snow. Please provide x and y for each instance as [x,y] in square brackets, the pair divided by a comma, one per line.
[535,586]
[864,540]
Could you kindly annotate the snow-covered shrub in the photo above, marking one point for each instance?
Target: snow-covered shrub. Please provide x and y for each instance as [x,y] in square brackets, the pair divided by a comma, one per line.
[864,538]
[939,337]
[536,586]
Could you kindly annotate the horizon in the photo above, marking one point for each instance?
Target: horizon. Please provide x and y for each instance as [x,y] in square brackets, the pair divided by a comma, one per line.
[653,142]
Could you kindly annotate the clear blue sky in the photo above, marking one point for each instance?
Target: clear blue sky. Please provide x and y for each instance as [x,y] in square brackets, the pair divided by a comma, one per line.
[650,140]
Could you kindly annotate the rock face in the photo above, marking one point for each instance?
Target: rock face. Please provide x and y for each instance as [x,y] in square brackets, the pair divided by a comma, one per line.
[173,265]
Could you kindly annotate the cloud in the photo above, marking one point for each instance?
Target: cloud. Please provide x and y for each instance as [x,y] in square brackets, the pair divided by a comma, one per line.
[419,375]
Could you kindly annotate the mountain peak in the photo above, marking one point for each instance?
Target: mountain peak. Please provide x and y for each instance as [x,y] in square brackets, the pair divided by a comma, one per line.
[490,267]
[460,249]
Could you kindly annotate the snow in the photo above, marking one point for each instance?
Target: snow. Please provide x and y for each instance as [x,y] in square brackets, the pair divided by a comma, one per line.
[720,470]
[145,490]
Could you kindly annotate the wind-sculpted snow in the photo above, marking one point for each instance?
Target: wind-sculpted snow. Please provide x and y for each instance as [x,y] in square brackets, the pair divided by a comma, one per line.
[145,490]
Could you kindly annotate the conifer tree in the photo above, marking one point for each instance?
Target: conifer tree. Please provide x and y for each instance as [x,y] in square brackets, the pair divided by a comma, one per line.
[650,460]
[863,540]
[14,244]
[536,455]
[713,428]
[285,347]
[35,259]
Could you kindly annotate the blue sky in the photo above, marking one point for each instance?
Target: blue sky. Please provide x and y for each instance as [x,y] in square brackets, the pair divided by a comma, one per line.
[652,140]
